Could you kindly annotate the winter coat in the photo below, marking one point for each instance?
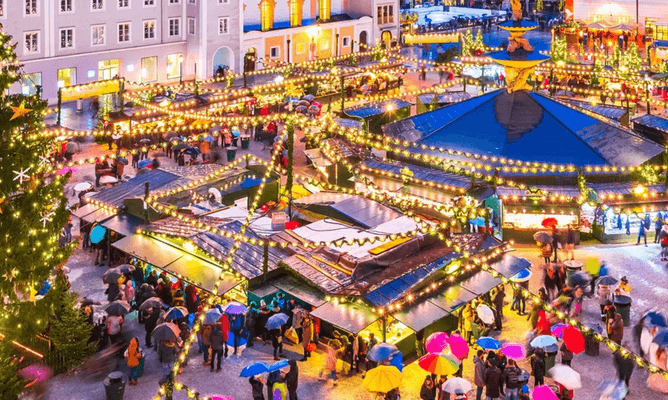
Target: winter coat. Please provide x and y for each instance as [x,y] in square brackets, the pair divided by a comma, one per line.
[224,326]
[307,331]
[479,378]
[114,324]
[616,329]
[624,365]
[292,377]
[428,393]
[498,299]
[216,339]
[191,299]
[538,365]
[511,377]
[206,335]
[167,352]
[236,322]
[467,315]
[257,387]
[133,354]
[493,381]
[566,355]
[603,294]
[251,319]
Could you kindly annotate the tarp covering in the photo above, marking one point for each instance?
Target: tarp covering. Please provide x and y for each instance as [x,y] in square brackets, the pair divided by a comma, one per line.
[149,250]
[481,283]
[421,315]
[124,224]
[135,187]
[365,212]
[202,273]
[300,290]
[351,317]
[98,215]
[511,265]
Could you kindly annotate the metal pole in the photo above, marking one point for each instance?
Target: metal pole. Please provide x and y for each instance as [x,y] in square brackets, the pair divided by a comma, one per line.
[337,44]
[288,52]
[343,94]
[649,110]
[384,329]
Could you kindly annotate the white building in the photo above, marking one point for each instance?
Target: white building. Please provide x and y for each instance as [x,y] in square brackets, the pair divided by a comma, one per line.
[645,13]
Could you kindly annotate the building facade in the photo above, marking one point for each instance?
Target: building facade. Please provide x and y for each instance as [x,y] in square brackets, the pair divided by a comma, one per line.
[69,42]
[645,13]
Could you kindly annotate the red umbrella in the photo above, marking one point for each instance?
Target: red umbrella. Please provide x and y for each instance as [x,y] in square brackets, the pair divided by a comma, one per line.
[574,340]
[549,222]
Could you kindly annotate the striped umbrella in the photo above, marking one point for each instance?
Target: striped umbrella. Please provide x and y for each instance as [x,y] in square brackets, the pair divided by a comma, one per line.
[439,364]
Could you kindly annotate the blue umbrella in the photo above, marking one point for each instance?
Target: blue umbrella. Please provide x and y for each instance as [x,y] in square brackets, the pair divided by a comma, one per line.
[97,234]
[655,318]
[478,221]
[382,352]
[144,163]
[397,360]
[278,365]
[193,151]
[661,338]
[579,279]
[211,317]
[235,308]
[522,276]
[543,341]
[488,343]
[276,321]
[208,138]
[253,369]
[175,313]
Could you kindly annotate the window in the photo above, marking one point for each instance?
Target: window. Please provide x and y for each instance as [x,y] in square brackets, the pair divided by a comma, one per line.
[149,29]
[223,26]
[67,38]
[301,48]
[174,1]
[192,1]
[108,69]
[29,83]
[223,1]
[345,42]
[275,52]
[123,3]
[67,77]
[65,6]
[2,8]
[149,3]
[386,14]
[98,5]
[124,32]
[149,69]
[97,33]
[31,43]
[174,65]
[324,44]
[31,7]
[174,26]
[191,26]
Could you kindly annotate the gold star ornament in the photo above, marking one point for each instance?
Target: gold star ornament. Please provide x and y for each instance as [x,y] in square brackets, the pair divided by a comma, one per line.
[19,111]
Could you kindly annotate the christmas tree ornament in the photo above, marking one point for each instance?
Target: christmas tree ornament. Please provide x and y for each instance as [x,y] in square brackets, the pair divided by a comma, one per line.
[19,111]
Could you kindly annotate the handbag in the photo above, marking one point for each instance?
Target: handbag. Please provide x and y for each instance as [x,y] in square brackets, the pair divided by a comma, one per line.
[311,347]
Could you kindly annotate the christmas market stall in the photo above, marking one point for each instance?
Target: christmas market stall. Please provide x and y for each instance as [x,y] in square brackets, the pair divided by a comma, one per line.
[431,101]
[654,127]
[378,114]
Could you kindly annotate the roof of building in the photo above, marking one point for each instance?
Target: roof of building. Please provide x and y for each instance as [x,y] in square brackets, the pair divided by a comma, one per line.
[652,121]
[135,187]
[372,109]
[524,126]
[305,22]
[608,111]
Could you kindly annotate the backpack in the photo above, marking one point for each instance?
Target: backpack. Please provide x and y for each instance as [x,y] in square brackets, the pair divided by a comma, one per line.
[513,381]
[664,241]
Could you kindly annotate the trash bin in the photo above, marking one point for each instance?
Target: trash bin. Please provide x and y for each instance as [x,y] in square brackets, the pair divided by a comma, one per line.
[245,140]
[591,344]
[231,153]
[572,266]
[623,305]
[551,355]
[114,385]
[79,105]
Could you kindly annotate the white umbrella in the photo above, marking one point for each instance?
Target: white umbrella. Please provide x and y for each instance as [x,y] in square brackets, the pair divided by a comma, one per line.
[457,386]
[108,179]
[116,137]
[485,313]
[81,186]
[567,376]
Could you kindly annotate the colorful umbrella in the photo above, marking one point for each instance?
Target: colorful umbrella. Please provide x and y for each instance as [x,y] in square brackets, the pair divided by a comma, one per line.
[592,266]
[543,341]
[457,386]
[558,330]
[382,379]
[439,364]
[514,351]
[549,222]
[211,317]
[566,376]
[97,234]
[542,237]
[235,308]
[276,321]
[253,369]
[175,313]
[458,347]
[36,372]
[485,313]
[221,398]
[125,268]
[397,360]
[488,343]
[436,342]
[522,276]
[382,352]
[543,392]
[574,340]
[166,332]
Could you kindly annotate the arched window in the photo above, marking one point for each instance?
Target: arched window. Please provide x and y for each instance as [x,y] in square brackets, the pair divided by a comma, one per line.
[296,8]
[267,14]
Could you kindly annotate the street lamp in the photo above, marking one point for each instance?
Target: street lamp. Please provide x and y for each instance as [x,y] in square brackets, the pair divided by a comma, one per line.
[180,70]
[313,32]
[645,75]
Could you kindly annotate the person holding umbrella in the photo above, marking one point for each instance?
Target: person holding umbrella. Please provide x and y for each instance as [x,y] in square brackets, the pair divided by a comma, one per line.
[538,367]
[257,384]
[167,352]
[479,374]
[511,377]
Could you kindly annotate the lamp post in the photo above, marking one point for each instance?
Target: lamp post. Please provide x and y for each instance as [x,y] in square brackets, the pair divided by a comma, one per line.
[645,75]
[180,70]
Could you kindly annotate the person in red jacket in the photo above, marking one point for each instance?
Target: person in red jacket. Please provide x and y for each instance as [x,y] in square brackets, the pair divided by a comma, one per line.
[225,328]
[316,328]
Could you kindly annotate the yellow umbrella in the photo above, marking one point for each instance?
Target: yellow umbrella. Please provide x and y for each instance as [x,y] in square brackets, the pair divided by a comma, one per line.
[382,379]
[592,266]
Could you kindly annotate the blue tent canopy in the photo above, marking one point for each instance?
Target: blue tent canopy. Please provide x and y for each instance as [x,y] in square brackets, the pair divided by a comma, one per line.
[373,109]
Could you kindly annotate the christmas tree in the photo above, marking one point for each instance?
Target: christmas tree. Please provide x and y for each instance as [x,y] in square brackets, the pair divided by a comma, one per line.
[559,50]
[32,207]
[632,58]
[467,43]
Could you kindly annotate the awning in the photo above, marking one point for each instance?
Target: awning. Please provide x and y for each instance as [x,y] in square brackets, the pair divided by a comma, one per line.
[454,298]
[98,215]
[511,265]
[421,315]
[85,210]
[123,224]
[202,274]
[351,317]
[300,290]
[481,283]
[149,250]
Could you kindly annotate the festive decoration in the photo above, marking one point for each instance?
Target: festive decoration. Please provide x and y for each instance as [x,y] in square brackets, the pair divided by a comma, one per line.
[19,111]
[559,50]
[632,58]
[21,175]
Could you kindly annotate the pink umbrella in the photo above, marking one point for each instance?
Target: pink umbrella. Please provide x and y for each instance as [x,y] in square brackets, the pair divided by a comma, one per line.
[67,169]
[543,393]
[514,351]
[458,346]
[221,398]
[436,342]
[36,372]
[558,330]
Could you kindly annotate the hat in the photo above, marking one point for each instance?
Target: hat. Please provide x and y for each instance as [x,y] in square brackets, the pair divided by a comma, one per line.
[624,279]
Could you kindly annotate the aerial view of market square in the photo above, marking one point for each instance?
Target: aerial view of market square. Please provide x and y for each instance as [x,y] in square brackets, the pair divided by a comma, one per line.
[334,199]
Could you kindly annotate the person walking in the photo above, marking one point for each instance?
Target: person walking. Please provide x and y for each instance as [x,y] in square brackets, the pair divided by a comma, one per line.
[616,329]
[257,384]
[277,342]
[479,374]
[492,380]
[511,376]
[206,342]
[643,229]
[250,323]
[498,307]
[538,367]
[150,322]
[624,366]
[114,328]
[217,340]
[566,354]
[330,365]
[604,296]
[307,336]
[236,326]
[546,252]
[658,224]
[167,355]
[292,379]
[556,243]
[428,390]
[133,356]
[570,243]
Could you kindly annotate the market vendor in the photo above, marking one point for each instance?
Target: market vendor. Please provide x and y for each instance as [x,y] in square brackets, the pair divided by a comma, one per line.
[623,289]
